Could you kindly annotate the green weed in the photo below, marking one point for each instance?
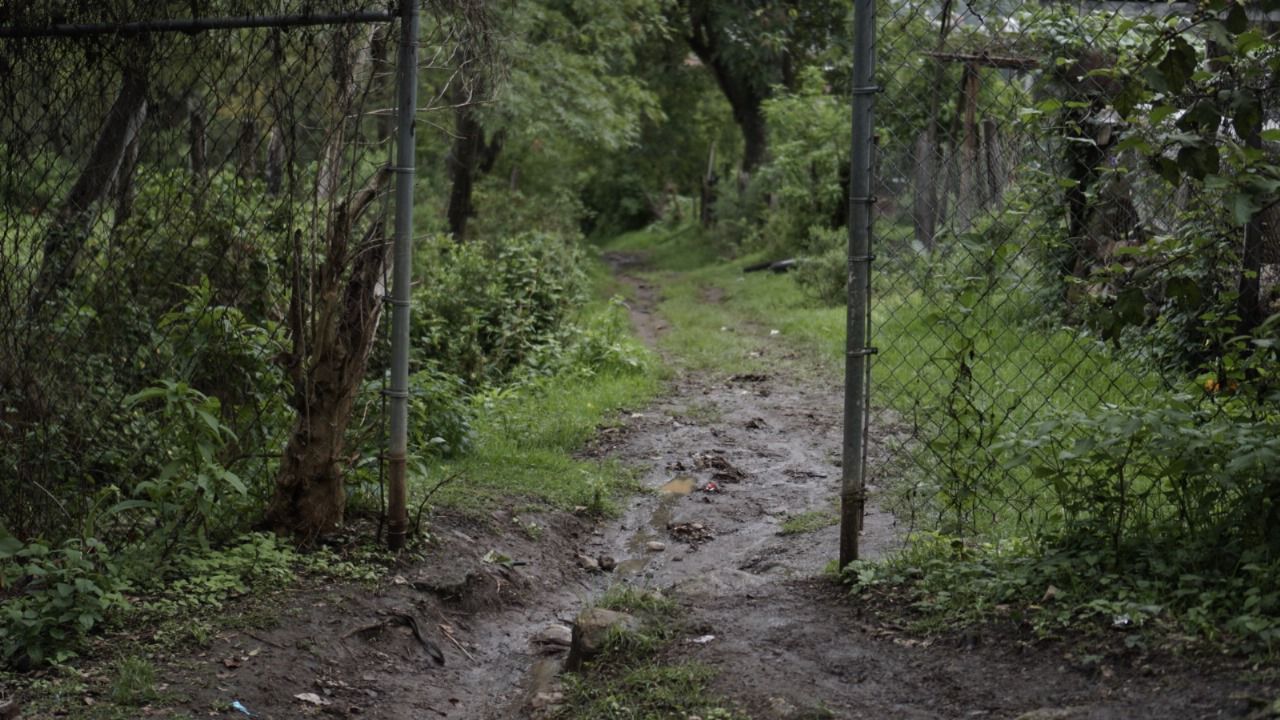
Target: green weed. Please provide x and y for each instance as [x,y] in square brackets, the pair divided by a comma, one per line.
[630,680]
[134,682]
[807,522]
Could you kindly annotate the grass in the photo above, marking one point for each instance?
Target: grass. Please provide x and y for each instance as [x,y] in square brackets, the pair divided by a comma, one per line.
[807,522]
[135,681]
[528,440]
[632,679]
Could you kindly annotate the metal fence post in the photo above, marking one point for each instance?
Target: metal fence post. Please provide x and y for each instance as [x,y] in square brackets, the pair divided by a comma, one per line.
[402,276]
[857,352]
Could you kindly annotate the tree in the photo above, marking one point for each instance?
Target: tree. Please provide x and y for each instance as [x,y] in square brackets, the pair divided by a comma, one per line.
[750,47]
[568,83]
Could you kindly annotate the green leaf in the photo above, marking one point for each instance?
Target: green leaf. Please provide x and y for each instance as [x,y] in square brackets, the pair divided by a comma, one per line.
[124,505]
[1237,20]
[9,546]
[209,420]
[144,395]
[1175,68]
[1243,208]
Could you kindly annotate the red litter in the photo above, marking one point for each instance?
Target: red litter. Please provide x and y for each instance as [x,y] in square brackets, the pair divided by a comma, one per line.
[711,487]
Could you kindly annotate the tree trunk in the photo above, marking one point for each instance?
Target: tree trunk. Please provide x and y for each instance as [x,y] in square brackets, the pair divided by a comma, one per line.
[745,98]
[274,173]
[66,238]
[463,159]
[247,149]
[993,153]
[1249,303]
[924,210]
[332,337]
[197,138]
[124,193]
[470,156]
[327,365]
[928,211]
[968,198]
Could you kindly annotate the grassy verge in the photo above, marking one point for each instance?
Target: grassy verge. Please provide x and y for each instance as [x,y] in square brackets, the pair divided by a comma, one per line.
[633,680]
[527,437]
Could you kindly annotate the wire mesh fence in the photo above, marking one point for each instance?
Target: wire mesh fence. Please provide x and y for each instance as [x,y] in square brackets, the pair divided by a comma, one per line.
[1051,306]
[186,221]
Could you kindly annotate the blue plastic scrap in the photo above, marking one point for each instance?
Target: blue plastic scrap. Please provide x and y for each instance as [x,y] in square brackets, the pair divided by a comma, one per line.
[239,707]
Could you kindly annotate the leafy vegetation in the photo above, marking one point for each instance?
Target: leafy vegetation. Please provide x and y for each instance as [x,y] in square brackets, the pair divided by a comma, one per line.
[1078,351]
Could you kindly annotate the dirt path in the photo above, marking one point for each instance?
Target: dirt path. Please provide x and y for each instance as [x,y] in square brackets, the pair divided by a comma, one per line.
[731,458]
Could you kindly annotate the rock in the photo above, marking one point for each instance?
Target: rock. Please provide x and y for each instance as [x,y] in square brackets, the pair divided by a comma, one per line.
[655,546]
[311,698]
[607,563]
[591,630]
[586,562]
[554,635]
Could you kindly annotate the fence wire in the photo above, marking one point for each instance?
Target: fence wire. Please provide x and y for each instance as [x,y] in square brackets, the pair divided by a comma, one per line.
[1014,229]
[167,202]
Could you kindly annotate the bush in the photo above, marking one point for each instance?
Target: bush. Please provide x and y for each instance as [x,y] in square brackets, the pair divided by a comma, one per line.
[52,597]
[440,414]
[484,307]
[824,276]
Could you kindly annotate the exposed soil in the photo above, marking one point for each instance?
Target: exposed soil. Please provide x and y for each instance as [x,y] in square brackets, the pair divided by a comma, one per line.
[730,458]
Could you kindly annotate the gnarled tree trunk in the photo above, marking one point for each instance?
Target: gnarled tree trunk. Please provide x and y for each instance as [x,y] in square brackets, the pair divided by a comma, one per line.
[331,336]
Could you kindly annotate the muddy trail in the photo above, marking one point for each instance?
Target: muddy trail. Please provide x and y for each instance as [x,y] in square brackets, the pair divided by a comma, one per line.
[730,458]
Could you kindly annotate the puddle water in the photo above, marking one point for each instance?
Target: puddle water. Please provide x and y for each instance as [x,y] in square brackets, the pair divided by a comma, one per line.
[679,485]
[672,491]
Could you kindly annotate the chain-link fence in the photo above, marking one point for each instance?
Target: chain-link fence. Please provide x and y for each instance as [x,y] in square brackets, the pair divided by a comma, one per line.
[1058,313]
[194,238]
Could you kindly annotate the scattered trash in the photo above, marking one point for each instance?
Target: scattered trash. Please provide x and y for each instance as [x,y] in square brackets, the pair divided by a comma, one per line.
[1051,593]
[710,487]
[655,546]
[723,470]
[702,639]
[1121,621]
[312,699]
[240,708]
[775,332]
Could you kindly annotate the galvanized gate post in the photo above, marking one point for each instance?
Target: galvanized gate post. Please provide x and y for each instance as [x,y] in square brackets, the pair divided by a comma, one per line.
[402,276]
[857,324]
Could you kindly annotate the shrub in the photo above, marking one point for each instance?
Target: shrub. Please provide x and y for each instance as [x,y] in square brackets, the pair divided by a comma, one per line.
[52,597]
[485,307]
